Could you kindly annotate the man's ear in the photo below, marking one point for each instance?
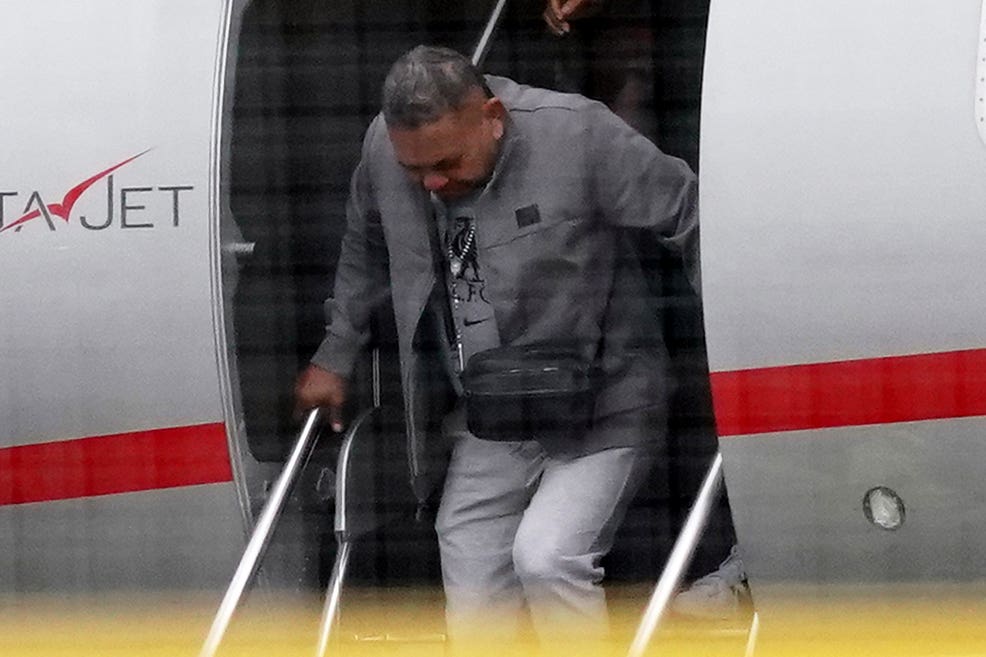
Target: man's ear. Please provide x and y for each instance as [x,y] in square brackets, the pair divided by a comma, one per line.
[494,111]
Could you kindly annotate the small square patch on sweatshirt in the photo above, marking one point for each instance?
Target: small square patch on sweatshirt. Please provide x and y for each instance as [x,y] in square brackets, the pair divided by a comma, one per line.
[527,216]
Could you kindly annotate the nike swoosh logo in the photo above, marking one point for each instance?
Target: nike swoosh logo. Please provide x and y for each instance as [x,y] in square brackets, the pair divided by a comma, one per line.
[473,322]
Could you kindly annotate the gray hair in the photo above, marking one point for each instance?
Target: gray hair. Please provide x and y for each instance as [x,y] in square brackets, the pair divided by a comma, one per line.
[426,83]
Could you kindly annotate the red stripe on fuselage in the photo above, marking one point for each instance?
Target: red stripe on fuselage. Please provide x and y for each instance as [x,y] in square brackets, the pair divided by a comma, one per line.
[850,393]
[118,463]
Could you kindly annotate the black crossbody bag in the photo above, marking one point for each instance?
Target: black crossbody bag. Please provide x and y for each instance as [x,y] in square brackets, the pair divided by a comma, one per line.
[529,392]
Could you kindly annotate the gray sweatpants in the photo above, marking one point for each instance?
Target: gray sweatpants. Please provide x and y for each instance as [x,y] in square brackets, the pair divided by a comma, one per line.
[519,528]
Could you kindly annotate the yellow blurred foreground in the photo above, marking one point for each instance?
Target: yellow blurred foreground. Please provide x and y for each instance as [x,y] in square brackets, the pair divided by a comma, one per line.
[408,623]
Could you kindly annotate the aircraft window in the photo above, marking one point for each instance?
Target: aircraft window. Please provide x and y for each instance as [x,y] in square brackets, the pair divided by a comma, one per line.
[884,508]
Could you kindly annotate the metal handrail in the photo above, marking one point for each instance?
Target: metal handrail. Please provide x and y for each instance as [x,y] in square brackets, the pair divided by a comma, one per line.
[681,556]
[486,38]
[343,533]
[260,539]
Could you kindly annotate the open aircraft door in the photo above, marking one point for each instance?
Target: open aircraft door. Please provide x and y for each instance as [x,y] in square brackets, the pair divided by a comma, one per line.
[120,465]
[843,190]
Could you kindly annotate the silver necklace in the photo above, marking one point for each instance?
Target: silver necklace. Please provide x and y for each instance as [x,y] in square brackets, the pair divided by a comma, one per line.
[456,261]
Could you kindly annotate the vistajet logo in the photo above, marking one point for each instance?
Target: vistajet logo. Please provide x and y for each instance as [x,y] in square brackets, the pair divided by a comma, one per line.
[146,206]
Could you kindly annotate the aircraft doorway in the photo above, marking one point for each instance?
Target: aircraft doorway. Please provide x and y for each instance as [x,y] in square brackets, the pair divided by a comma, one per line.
[307,84]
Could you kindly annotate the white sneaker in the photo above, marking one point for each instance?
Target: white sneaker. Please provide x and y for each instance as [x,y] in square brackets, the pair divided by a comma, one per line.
[720,595]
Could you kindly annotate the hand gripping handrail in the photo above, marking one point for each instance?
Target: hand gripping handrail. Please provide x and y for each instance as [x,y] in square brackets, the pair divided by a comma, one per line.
[260,539]
[681,556]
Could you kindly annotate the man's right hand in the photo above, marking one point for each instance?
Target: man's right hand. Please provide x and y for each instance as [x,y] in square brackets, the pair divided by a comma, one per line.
[318,387]
[557,13]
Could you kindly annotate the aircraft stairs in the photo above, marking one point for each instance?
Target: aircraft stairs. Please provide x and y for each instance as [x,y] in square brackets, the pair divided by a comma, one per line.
[408,620]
